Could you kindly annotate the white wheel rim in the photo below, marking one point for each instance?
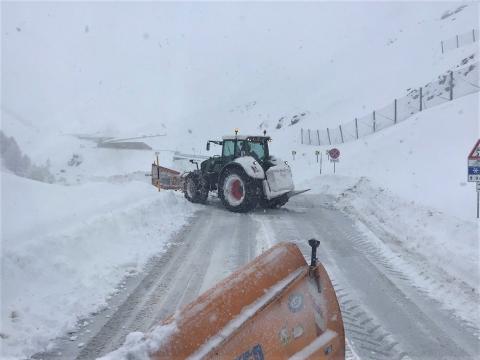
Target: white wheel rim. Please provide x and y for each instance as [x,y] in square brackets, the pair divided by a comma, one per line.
[231,187]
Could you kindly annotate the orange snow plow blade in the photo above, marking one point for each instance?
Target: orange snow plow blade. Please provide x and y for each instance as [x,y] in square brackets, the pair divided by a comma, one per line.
[275,307]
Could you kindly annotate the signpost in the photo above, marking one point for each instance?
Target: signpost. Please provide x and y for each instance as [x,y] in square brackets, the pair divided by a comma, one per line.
[293,154]
[474,171]
[334,156]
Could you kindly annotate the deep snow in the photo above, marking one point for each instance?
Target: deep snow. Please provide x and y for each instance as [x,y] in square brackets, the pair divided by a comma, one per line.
[65,251]
[66,71]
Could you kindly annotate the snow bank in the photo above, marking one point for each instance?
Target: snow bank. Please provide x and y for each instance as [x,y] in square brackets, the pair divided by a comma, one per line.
[441,253]
[139,346]
[65,249]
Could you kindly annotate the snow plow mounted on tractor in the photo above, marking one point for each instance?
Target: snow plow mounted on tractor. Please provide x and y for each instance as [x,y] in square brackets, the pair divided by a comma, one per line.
[245,175]
[275,307]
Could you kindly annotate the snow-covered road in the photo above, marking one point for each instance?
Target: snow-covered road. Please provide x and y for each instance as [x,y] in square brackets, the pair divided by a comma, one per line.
[386,314]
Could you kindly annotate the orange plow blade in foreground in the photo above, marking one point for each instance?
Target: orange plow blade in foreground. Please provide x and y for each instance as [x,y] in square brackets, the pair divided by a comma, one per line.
[275,307]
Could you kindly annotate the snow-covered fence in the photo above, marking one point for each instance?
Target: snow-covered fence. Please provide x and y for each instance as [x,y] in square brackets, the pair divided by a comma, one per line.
[448,86]
[459,40]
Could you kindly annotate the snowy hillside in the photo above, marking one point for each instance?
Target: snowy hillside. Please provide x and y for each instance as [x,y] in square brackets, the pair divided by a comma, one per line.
[174,75]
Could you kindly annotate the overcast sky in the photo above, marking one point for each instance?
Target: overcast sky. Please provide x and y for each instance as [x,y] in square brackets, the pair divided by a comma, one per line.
[109,66]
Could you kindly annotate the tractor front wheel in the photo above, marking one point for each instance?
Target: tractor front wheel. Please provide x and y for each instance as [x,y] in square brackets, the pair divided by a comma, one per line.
[195,188]
[238,192]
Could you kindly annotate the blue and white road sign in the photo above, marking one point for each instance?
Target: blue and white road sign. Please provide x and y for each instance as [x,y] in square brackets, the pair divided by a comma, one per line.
[474,173]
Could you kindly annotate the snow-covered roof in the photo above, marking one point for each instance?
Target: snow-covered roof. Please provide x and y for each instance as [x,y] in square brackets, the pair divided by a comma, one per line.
[243,137]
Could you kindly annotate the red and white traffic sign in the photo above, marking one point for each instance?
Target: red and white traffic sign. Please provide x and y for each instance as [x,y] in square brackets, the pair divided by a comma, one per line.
[334,153]
[474,163]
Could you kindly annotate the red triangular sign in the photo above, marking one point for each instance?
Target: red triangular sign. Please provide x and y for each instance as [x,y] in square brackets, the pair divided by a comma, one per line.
[475,153]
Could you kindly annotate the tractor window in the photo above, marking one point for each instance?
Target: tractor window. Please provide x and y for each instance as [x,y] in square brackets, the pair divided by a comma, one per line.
[228,148]
[258,149]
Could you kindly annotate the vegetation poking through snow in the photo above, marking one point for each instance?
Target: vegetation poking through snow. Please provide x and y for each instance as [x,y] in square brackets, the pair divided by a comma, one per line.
[20,164]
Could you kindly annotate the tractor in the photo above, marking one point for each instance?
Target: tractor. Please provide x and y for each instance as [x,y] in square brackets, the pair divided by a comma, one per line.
[245,175]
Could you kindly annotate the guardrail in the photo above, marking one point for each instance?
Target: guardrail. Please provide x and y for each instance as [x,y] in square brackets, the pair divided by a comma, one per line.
[448,86]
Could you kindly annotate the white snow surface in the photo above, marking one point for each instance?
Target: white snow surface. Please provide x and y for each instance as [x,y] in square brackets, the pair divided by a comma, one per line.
[139,346]
[66,249]
[439,253]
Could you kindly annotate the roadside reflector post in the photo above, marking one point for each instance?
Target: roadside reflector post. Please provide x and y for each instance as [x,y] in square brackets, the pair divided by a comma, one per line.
[321,162]
[316,154]
[451,85]
[421,99]
[395,112]
[293,154]
[478,199]
[158,170]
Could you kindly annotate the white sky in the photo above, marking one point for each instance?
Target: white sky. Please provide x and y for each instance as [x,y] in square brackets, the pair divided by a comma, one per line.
[142,64]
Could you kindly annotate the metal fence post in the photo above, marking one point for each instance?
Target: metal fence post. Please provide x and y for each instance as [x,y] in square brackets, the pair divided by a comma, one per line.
[301,131]
[356,127]
[309,138]
[457,41]
[374,127]
[451,85]
[395,111]
[441,43]
[328,133]
[473,35]
[318,137]
[421,99]
[341,132]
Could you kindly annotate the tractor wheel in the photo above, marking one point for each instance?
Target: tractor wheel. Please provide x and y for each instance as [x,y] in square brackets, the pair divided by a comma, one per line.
[238,192]
[195,188]
[274,203]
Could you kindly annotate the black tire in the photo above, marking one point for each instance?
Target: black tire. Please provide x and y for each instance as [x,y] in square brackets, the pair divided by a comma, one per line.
[274,203]
[238,191]
[195,188]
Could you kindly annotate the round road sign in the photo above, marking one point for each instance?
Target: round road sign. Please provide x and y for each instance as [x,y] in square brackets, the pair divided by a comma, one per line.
[334,153]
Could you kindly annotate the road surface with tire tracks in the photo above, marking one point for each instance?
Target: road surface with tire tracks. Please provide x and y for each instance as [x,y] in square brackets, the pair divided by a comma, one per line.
[386,316]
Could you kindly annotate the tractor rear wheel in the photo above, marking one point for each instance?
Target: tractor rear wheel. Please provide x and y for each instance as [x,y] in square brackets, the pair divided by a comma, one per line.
[238,191]
[195,188]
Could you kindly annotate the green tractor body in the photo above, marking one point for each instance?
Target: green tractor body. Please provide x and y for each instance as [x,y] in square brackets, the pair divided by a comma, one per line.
[245,175]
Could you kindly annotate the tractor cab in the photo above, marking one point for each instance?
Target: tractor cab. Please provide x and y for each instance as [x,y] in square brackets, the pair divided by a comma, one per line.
[243,145]
[237,146]
[240,146]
